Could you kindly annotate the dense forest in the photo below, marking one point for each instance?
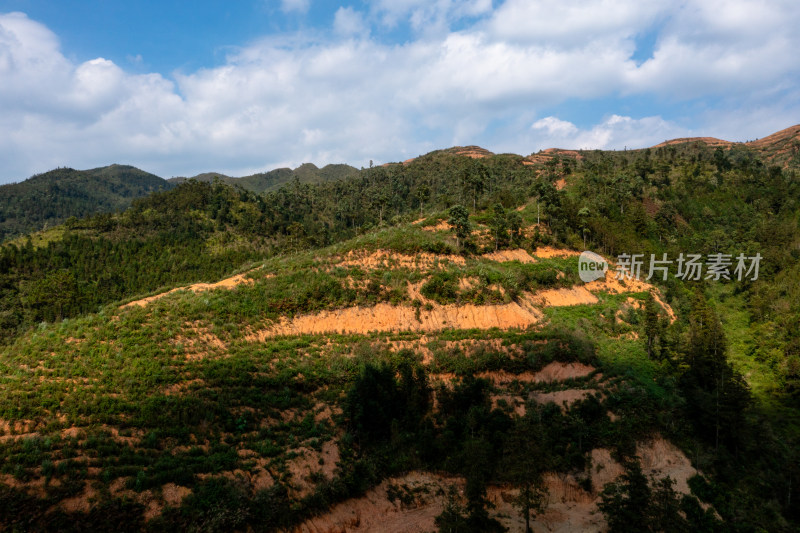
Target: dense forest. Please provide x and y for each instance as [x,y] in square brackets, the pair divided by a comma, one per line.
[51,198]
[722,380]
[274,179]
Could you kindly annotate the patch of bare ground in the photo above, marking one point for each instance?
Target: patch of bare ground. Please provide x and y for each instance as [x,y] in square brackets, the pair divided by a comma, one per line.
[376,512]
[81,503]
[612,285]
[515,403]
[227,283]
[661,458]
[503,256]
[386,317]
[389,259]
[555,371]
[577,295]
[310,464]
[466,284]
[174,494]
[562,398]
[16,427]
[569,507]
[546,252]
[441,226]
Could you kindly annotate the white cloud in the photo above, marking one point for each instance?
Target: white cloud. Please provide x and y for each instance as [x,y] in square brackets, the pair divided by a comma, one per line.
[613,133]
[348,21]
[554,127]
[349,96]
[300,6]
[428,17]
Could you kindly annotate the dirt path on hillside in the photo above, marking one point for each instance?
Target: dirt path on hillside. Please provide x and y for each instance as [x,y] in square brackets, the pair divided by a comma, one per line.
[227,283]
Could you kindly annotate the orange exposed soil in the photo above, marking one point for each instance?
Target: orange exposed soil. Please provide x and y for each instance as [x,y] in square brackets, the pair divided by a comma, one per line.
[436,317]
[385,317]
[310,462]
[503,256]
[441,226]
[546,252]
[227,283]
[565,297]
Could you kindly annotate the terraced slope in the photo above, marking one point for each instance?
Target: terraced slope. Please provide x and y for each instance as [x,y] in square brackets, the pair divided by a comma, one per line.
[229,405]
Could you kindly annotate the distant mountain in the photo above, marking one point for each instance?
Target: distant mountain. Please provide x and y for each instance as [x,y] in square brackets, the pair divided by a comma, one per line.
[780,149]
[274,179]
[51,198]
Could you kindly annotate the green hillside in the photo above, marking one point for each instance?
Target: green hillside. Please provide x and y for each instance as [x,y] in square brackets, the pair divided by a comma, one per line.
[51,198]
[412,343]
[274,179]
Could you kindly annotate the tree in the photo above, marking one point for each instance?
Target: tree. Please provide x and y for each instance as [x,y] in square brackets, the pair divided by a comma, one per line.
[499,225]
[423,193]
[718,395]
[626,503]
[459,221]
[523,462]
[583,216]
[515,225]
[652,323]
[630,505]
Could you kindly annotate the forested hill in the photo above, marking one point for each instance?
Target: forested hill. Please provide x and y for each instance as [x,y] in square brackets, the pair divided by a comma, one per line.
[51,198]
[128,406]
[274,179]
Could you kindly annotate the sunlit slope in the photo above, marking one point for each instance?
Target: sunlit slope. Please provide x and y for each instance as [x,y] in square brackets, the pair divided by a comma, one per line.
[203,403]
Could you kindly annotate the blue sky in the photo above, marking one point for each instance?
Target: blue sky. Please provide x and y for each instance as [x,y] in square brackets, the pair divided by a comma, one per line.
[178,88]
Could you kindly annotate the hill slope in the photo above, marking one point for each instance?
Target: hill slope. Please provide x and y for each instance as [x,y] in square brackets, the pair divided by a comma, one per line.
[242,409]
[274,179]
[365,359]
[51,198]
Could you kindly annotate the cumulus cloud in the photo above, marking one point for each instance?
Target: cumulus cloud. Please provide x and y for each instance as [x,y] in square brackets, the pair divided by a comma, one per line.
[343,94]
